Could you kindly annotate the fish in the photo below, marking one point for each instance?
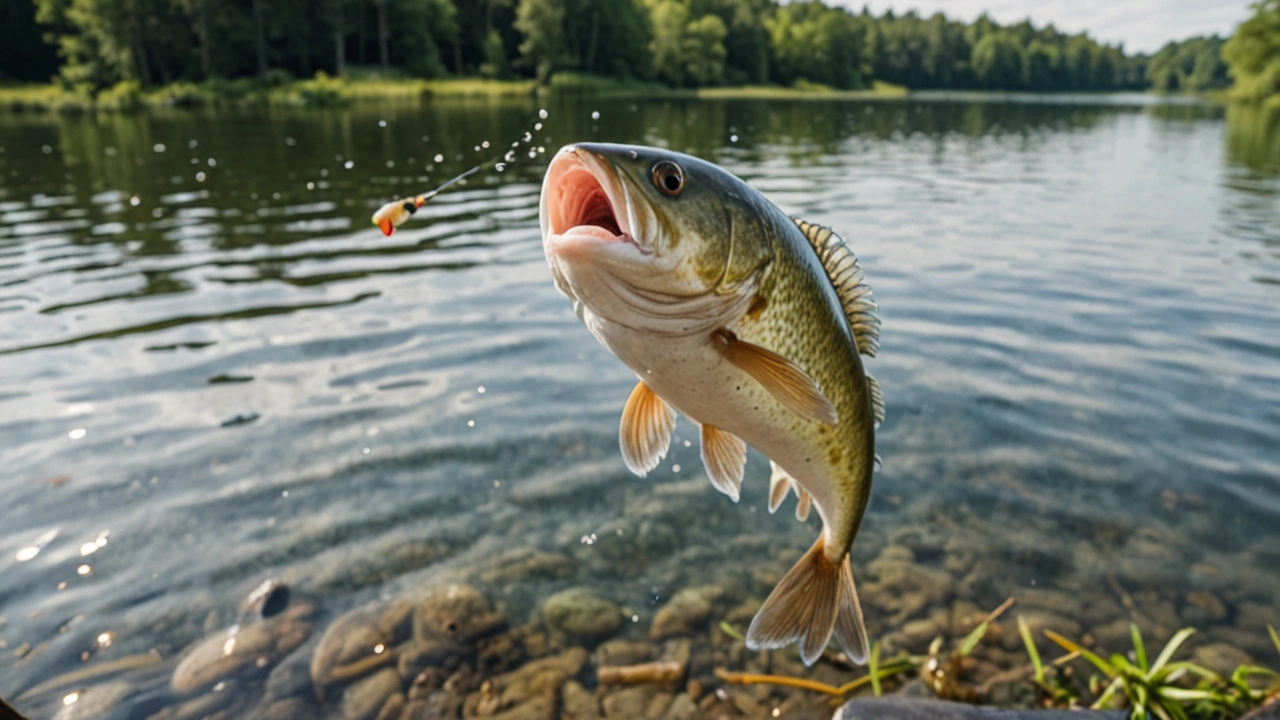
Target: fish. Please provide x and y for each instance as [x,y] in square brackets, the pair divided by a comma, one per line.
[752,325]
[396,213]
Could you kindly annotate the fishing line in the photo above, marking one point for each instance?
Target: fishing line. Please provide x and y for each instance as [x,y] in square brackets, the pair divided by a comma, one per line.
[397,212]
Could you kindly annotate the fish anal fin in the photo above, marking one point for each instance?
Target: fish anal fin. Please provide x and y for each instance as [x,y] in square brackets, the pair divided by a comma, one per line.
[725,457]
[846,276]
[803,504]
[815,600]
[779,485]
[783,379]
[645,431]
[877,400]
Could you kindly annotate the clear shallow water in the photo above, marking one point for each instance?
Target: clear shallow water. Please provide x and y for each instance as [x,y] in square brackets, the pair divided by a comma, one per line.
[237,377]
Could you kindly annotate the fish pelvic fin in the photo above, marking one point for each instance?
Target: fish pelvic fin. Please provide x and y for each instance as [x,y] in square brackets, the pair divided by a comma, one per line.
[645,431]
[725,457]
[815,600]
[784,380]
[386,227]
[804,503]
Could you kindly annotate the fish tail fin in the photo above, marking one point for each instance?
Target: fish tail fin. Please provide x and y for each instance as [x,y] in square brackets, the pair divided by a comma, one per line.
[815,599]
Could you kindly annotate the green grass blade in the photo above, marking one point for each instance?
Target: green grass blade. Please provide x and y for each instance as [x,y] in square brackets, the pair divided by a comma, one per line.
[727,629]
[973,638]
[1032,652]
[1070,646]
[1172,647]
[873,665]
[1139,647]
[1107,694]
[1275,639]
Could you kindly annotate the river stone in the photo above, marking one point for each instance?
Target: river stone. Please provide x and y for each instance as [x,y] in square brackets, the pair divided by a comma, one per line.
[580,612]
[94,702]
[416,657]
[348,649]
[686,614]
[578,702]
[892,708]
[365,698]
[1221,658]
[454,612]
[292,677]
[248,651]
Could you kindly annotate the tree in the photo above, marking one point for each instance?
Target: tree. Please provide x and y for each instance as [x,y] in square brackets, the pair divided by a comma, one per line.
[542,24]
[704,50]
[997,61]
[1253,53]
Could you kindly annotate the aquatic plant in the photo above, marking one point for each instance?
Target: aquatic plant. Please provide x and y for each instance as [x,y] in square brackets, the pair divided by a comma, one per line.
[1166,689]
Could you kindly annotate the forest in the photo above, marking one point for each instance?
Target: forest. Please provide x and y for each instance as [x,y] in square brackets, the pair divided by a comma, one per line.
[90,45]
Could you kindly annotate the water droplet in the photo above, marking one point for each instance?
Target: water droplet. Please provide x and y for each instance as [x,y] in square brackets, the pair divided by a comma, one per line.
[391,163]
[47,149]
[382,123]
[27,553]
[480,389]
[77,433]
[500,167]
[290,141]
[84,570]
[477,148]
[213,163]
[687,443]
[199,177]
[284,493]
[510,156]
[484,144]
[158,147]
[733,138]
[675,468]
[192,145]
[595,114]
[379,648]
[533,154]
[135,201]
[537,127]
[542,114]
[528,137]
[311,186]
[365,451]
[471,423]
[88,548]
[439,158]
[70,698]
[349,164]
[635,618]
[104,639]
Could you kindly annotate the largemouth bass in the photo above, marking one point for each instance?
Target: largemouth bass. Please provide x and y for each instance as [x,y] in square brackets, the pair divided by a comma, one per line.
[749,323]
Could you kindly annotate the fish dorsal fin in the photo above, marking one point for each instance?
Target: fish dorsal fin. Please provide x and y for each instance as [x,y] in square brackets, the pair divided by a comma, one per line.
[850,284]
[645,432]
[725,457]
[877,400]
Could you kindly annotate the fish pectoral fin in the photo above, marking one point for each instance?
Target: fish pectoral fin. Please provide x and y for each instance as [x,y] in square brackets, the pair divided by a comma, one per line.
[645,431]
[804,504]
[779,485]
[784,380]
[815,600]
[386,227]
[724,455]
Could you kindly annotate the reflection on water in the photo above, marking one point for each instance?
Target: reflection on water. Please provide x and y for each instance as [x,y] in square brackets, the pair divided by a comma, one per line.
[214,371]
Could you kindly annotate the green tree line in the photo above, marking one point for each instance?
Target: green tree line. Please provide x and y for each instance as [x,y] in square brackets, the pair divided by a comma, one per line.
[93,44]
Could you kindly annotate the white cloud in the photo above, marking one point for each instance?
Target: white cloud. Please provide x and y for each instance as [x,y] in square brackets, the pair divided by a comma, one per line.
[1142,25]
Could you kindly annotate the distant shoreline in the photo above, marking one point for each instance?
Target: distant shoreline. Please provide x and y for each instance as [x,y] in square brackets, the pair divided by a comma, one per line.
[323,91]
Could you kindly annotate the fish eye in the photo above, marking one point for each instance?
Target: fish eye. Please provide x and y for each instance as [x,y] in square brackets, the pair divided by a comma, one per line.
[668,177]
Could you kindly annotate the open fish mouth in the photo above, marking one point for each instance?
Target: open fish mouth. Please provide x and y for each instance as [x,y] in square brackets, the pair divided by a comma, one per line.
[583,201]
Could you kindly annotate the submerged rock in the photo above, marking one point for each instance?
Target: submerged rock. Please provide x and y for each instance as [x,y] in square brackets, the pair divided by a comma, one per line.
[582,613]
[359,642]
[364,699]
[241,651]
[686,614]
[455,612]
[94,702]
[896,708]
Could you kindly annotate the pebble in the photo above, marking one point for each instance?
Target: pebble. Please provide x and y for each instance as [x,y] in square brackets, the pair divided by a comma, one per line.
[687,613]
[348,649]
[582,613]
[454,612]
[364,699]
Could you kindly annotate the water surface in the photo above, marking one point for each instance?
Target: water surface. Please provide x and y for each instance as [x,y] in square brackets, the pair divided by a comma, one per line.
[213,370]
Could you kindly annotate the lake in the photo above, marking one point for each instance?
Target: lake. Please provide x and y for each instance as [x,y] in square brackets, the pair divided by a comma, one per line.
[214,372]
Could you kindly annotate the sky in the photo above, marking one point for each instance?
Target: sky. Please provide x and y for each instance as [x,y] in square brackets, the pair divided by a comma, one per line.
[1142,25]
